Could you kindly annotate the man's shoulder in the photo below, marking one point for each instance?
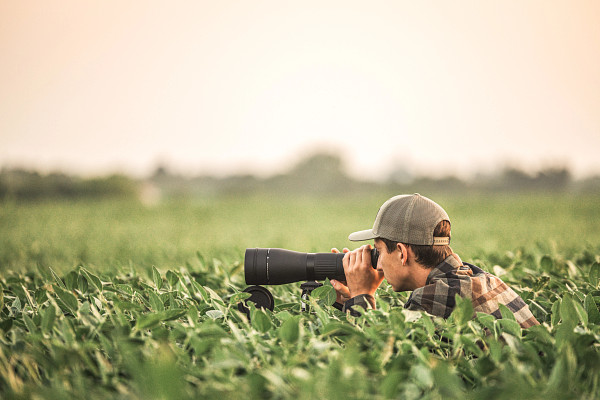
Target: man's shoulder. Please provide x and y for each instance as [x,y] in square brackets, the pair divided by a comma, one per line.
[436,297]
[449,278]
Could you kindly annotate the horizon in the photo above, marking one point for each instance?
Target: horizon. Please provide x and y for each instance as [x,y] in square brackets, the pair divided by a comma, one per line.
[402,176]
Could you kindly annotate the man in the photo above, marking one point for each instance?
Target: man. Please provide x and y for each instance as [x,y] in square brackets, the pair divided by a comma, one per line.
[412,235]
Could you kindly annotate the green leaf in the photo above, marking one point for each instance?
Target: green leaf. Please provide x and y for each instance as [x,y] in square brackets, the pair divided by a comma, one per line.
[595,275]
[506,313]
[338,329]
[428,323]
[495,349]
[510,326]
[29,298]
[562,372]
[172,314]
[215,298]
[239,297]
[172,302]
[261,321]
[71,280]
[592,310]
[447,381]
[325,293]
[581,312]
[148,321]
[68,299]
[283,315]
[470,345]
[579,295]
[557,375]
[486,320]
[572,269]
[48,318]
[201,292]
[155,302]
[422,376]
[40,295]
[463,310]
[151,320]
[571,311]
[547,263]
[82,283]
[564,334]
[200,258]
[157,278]
[567,310]
[539,334]
[316,308]
[93,279]
[214,314]
[57,279]
[6,325]
[555,317]
[172,278]
[16,305]
[541,282]
[390,383]
[289,331]
[29,323]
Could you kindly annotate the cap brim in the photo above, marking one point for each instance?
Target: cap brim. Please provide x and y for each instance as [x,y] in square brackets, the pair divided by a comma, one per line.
[367,234]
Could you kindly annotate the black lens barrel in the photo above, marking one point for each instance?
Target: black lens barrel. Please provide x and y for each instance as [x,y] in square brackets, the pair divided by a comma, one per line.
[265,266]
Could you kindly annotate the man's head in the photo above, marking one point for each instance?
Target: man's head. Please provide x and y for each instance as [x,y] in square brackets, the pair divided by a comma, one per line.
[412,234]
[426,255]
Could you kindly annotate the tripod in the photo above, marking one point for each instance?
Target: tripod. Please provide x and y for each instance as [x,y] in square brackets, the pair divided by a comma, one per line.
[307,288]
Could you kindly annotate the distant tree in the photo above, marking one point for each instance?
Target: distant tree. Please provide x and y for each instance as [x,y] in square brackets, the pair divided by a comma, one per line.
[553,179]
[515,179]
[31,185]
[589,185]
[320,173]
[160,172]
[110,186]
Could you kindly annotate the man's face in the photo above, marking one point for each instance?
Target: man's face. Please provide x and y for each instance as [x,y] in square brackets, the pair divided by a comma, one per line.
[395,273]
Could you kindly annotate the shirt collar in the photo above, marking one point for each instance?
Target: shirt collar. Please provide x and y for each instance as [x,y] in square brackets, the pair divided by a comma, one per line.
[451,264]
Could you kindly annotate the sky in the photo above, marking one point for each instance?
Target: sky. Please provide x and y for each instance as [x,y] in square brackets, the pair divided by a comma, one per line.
[252,87]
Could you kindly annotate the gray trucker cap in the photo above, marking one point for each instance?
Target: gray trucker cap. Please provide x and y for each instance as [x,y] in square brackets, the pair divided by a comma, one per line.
[409,218]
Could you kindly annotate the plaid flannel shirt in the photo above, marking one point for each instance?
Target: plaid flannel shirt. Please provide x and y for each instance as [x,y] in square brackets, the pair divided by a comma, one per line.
[453,277]
[485,290]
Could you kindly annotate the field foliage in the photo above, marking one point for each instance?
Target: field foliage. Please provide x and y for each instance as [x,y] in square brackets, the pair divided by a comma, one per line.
[111,299]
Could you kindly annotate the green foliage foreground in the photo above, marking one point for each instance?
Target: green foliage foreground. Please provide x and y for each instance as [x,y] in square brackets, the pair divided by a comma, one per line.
[179,335]
[83,314]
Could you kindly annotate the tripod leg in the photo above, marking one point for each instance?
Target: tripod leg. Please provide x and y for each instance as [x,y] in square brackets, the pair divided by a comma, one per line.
[307,288]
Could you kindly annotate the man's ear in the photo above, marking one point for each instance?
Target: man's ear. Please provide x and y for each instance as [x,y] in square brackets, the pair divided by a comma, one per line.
[403,249]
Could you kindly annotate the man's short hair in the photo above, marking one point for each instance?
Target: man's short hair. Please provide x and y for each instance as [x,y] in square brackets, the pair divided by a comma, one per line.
[427,255]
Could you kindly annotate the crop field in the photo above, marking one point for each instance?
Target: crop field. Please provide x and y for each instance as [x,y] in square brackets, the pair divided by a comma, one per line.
[116,299]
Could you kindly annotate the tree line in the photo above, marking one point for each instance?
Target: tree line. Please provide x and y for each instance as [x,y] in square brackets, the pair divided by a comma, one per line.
[318,174]
[18,183]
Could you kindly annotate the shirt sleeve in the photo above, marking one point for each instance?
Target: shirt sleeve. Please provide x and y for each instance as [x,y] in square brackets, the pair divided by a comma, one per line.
[366,301]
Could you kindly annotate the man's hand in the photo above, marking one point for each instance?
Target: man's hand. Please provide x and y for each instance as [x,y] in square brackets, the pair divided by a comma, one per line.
[341,290]
[360,275]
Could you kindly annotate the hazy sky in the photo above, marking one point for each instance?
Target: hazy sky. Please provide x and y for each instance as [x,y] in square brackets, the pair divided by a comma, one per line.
[253,86]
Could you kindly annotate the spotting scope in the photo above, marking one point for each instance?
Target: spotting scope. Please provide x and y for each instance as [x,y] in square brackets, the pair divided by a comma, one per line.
[279,266]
